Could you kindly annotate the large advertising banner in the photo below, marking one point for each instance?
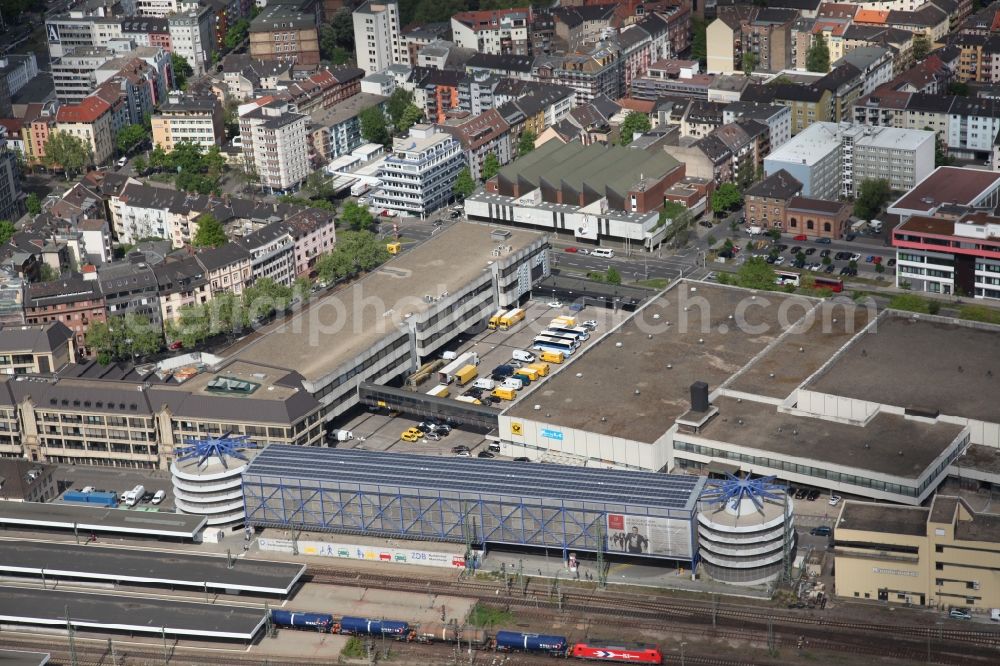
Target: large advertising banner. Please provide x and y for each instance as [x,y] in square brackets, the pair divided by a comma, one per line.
[649,535]
[368,553]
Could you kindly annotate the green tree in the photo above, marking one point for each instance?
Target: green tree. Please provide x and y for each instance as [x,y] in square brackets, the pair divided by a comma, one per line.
[358,217]
[774,233]
[749,62]
[464,184]
[192,326]
[330,49]
[818,55]
[360,250]
[7,229]
[411,116]
[265,296]
[491,166]
[130,136]
[100,341]
[921,47]
[726,197]
[63,150]
[634,122]
[236,34]
[332,267]
[612,276]
[373,126]
[182,70]
[958,88]
[800,258]
[756,273]
[397,104]
[47,274]
[210,232]
[140,164]
[318,186]
[342,24]
[33,203]
[159,159]
[699,39]
[526,143]
[872,195]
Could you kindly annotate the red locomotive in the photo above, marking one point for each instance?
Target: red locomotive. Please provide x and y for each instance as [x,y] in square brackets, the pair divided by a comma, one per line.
[629,653]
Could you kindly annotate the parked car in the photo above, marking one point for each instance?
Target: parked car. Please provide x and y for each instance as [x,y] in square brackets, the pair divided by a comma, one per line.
[705,223]
[891,262]
[795,250]
[824,241]
[813,495]
[822,530]
[829,268]
[464,454]
[855,256]
[590,324]
[485,454]
[810,251]
[960,614]
[522,459]
[869,259]
[495,448]
[771,259]
[433,436]
[570,249]
[146,497]
[554,304]
[801,237]
[426,426]
[877,260]
[781,247]
[411,435]
[159,496]
[850,237]
[834,500]
[779,261]
[825,253]
[842,256]
[801,493]
[443,429]
[459,448]
[583,250]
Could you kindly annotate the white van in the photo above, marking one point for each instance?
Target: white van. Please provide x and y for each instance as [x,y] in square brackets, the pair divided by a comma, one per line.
[485,383]
[603,252]
[122,162]
[521,355]
[513,384]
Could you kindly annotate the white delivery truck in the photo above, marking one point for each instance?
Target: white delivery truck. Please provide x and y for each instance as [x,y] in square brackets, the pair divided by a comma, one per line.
[521,355]
[485,383]
[133,496]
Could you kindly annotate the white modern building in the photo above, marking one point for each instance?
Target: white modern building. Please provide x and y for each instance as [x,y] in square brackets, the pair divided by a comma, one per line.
[192,35]
[493,31]
[377,41]
[418,176]
[275,144]
[777,117]
[833,159]
[207,481]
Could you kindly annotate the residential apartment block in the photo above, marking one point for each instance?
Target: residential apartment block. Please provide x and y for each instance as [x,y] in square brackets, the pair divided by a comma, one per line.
[283,33]
[275,145]
[189,118]
[74,301]
[483,135]
[193,37]
[377,35]
[36,349]
[495,31]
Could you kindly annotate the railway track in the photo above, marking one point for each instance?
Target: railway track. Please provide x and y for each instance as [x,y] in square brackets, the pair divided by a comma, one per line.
[636,605]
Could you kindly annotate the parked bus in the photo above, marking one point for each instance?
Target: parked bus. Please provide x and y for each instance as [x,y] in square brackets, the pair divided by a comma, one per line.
[579,331]
[568,337]
[836,285]
[546,344]
[787,278]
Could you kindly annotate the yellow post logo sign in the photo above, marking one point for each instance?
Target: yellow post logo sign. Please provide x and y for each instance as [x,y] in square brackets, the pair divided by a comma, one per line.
[515,428]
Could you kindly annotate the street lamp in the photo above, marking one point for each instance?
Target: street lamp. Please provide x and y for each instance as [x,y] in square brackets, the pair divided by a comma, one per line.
[683,643]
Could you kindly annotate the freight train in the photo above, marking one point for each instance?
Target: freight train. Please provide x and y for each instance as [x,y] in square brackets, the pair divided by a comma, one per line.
[502,641]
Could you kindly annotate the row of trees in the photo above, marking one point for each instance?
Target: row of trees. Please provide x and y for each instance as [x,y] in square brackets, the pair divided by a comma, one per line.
[355,252]
[124,338]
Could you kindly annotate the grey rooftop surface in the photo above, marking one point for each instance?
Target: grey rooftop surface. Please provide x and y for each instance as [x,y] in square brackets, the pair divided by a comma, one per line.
[155,616]
[355,468]
[605,399]
[923,364]
[20,658]
[337,328]
[886,518]
[831,442]
[99,519]
[803,351]
[146,566]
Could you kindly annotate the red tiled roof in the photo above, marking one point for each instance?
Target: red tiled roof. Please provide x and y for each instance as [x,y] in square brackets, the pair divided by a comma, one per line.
[640,105]
[872,16]
[483,20]
[87,111]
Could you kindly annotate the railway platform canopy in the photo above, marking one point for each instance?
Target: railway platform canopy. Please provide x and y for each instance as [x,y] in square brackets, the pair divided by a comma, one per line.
[472,501]
[114,613]
[23,658]
[136,566]
[100,520]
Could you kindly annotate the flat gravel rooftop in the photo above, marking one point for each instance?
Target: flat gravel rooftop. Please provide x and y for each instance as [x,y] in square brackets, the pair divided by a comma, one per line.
[922,364]
[135,614]
[874,447]
[635,381]
[885,518]
[358,469]
[151,567]
[98,519]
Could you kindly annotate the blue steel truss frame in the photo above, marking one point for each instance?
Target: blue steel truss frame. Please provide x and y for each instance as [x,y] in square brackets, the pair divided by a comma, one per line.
[421,514]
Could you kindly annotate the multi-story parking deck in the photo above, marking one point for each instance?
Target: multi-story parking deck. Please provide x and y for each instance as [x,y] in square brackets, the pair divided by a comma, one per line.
[478,502]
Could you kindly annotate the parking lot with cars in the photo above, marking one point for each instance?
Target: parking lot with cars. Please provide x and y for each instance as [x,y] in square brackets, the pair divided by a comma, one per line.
[812,255]
[384,431]
[119,481]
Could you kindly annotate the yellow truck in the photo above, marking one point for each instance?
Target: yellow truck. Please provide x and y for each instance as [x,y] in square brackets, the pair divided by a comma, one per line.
[494,321]
[469,399]
[511,319]
[466,374]
[439,391]
[556,357]
[528,372]
[504,393]
[565,321]
[541,368]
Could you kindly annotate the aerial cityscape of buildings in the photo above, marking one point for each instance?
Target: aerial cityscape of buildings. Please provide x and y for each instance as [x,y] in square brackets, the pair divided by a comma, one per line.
[564,296]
